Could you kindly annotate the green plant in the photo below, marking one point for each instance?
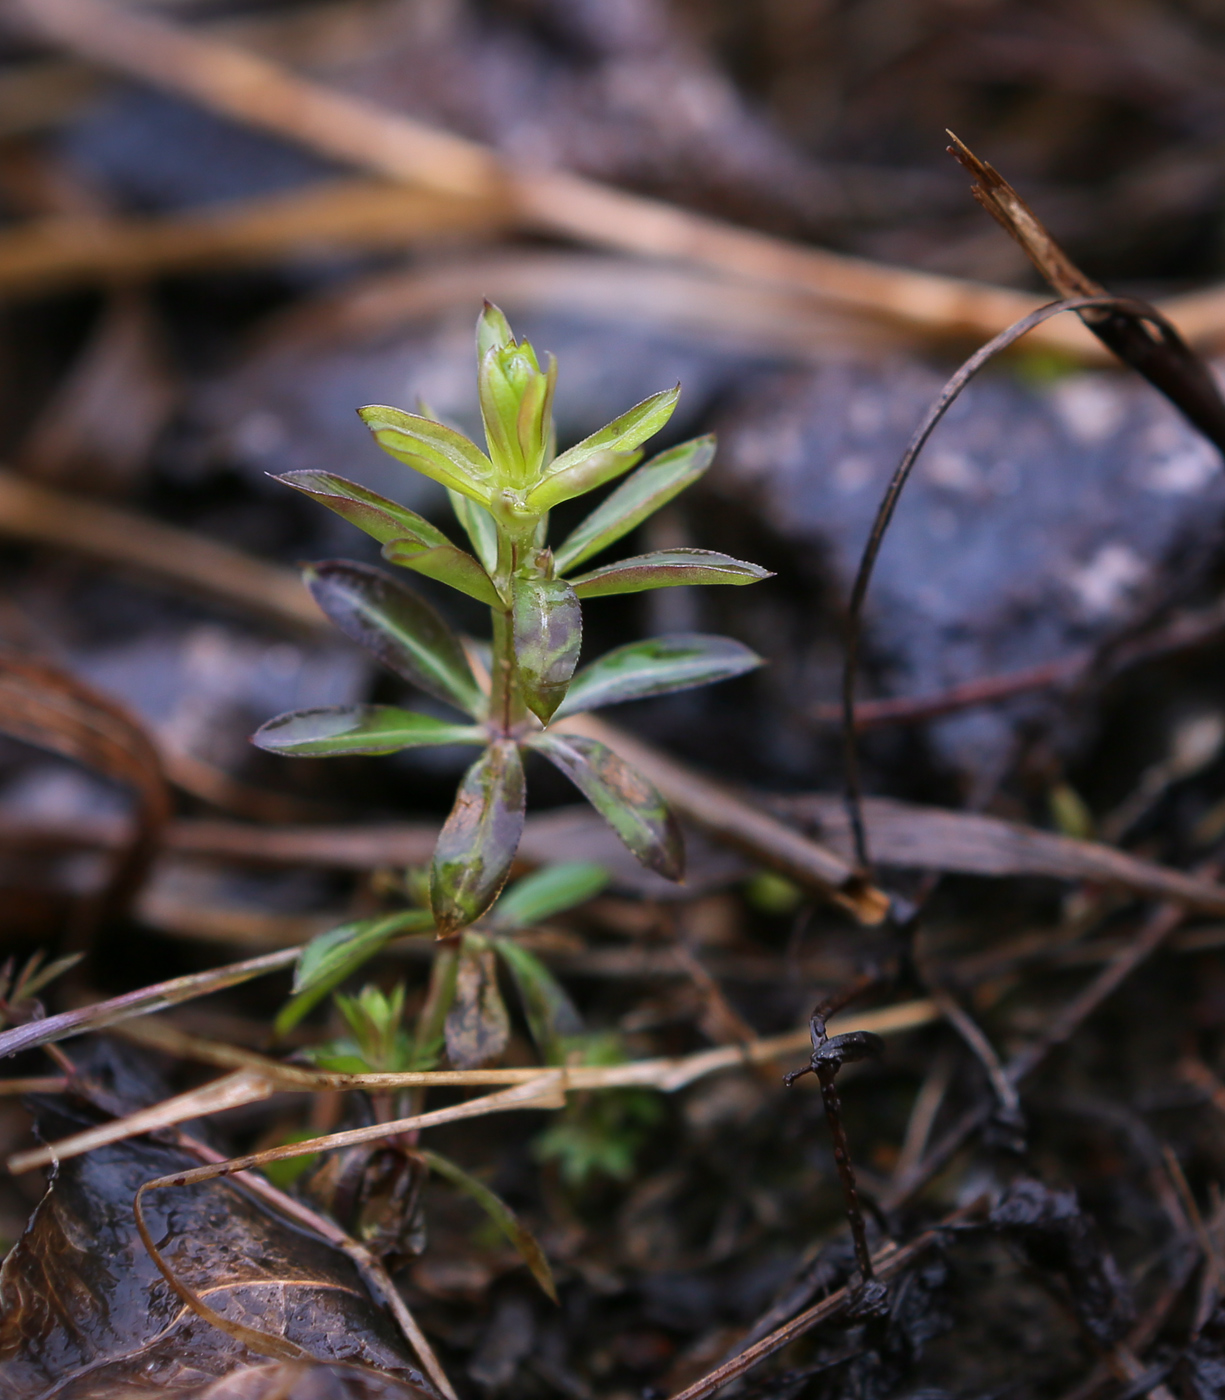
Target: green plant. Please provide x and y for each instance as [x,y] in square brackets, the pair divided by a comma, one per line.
[502,500]
[600,1134]
[464,1009]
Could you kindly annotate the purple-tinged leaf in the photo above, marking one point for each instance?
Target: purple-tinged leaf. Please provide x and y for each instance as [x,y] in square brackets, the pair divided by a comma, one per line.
[551,1015]
[432,449]
[548,626]
[653,485]
[379,517]
[666,568]
[448,564]
[358,729]
[402,630]
[479,839]
[477,1027]
[631,805]
[658,666]
[501,1215]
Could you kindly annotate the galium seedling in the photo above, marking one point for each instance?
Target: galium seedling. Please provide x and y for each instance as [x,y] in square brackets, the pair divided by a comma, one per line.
[502,498]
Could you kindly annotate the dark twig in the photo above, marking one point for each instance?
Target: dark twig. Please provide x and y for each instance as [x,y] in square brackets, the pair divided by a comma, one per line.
[828,1057]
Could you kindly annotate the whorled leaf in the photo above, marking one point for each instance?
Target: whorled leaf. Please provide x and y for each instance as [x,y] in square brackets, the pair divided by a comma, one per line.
[548,891]
[431,448]
[631,805]
[501,1215]
[653,485]
[379,517]
[477,1026]
[402,630]
[517,409]
[666,568]
[548,634]
[333,730]
[551,1015]
[479,839]
[448,564]
[480,527]
[331,957]
[623,434]
[580,477]
[658,666]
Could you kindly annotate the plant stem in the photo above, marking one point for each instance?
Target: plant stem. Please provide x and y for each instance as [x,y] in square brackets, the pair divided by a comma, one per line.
[846,1173]
[506,708]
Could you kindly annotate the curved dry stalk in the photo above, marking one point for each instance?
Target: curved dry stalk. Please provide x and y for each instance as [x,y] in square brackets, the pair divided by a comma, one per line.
[884,514]
[257,1076]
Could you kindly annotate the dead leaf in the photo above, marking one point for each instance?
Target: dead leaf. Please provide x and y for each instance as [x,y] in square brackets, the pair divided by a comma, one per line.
[84,1312]
[477,1026]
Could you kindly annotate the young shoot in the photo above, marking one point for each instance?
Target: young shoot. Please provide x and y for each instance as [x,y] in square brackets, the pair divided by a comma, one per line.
[502,498]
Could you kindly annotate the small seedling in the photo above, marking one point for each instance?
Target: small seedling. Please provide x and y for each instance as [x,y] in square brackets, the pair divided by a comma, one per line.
[464,1008]
[535,593]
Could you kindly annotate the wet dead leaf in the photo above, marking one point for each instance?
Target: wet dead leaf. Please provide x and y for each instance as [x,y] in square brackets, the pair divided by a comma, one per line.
[84,1312]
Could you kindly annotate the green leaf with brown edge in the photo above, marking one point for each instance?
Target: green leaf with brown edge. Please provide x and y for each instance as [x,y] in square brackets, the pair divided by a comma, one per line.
[477,1026]
[548,891]
[334,730]
[666,568]
[479,839]
[501,1215]
[631,805]
[551,1015]
[448,564]
[658,666]
[548,628]
[623,434]
[653,485]
[401,629]
[379,517]
[331,957]
[480,527]
[579,478]
[432,449]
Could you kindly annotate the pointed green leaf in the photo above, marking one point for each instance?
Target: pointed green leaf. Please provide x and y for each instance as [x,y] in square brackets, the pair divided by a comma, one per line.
[492,330]
[653,485]
[579,478]
[666,568]
[431,448]
[548,891]
[376,515]
[478,842]
[630,804]
[402,630]
[477,1025]
[448,564]
[358,729]
[548,625]
[480,528]
[501,1215]
[331,957]
[517,410]
[625,433]
[658,666]
[551,1016]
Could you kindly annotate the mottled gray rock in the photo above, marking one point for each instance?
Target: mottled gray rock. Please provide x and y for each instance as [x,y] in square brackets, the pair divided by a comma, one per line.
[1039,519]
